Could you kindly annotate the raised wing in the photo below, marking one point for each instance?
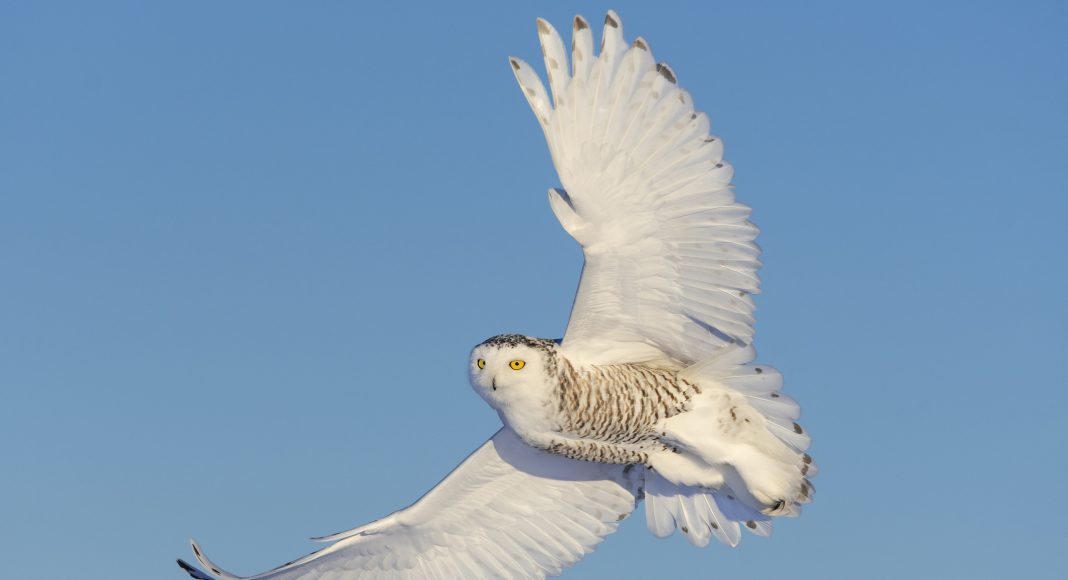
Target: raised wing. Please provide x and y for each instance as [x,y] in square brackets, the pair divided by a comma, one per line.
[670,258]
[508,510]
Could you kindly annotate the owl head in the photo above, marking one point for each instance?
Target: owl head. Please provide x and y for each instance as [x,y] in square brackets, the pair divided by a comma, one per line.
[514,373]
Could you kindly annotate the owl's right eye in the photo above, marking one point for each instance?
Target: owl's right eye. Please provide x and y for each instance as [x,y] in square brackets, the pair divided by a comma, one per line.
[481,363]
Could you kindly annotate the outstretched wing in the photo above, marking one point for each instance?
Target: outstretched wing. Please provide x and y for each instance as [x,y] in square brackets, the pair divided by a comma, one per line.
[670,258]
[508,510]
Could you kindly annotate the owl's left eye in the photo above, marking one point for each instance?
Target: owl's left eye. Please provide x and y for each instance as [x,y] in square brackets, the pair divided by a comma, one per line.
[517,364]
[481,363]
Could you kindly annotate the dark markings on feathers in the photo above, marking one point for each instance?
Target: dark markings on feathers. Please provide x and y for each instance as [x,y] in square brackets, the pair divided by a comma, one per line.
[806,458]
[610,21]
[714,525]
[639,43]
[513,340]
[543,27]
[580,23]
[667,73]
[189,569]
[596,451]
[798,429]
[758,370]
[515,64]
[609,411]
[751,524]
[618,404]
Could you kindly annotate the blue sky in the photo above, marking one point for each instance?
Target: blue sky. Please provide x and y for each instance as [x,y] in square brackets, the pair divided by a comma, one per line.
[238,239]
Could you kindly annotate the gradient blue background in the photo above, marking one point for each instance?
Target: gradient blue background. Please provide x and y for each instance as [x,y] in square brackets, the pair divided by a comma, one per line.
[246,247]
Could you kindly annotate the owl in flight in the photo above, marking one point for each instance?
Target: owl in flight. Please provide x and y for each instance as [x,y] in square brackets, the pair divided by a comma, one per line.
[653,392]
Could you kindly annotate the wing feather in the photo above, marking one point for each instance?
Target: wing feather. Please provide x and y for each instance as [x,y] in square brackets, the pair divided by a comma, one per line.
[670,256]
[508,510]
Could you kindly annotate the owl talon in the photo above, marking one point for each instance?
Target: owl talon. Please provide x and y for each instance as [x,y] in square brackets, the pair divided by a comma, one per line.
[775,509]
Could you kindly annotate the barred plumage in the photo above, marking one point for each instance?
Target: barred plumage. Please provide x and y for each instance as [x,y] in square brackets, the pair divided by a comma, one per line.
[618,403]
[596,452]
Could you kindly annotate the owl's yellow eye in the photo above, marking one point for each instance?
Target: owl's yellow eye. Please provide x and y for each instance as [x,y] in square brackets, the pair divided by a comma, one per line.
[481,363]
[517,364]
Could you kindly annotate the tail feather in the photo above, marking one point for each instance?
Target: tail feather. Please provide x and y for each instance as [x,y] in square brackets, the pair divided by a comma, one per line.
[750,519]
[700,514]
[723,529]
[770,465]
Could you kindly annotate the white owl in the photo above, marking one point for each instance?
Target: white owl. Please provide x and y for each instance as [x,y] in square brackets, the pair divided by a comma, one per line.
[652,393]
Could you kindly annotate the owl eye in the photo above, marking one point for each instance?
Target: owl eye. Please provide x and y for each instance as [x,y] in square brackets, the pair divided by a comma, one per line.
[481,363]
[517,364]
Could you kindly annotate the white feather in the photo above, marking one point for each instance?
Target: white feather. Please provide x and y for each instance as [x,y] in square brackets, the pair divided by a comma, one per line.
[508,510]
[648,193]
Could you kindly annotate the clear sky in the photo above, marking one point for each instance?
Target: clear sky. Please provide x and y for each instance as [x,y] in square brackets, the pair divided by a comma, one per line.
[246,246]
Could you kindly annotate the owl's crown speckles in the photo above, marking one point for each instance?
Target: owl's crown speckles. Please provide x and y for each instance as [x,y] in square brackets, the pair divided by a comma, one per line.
[513,340]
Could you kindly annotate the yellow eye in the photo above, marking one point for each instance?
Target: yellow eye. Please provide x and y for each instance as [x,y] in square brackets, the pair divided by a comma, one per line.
[517,364]
[481,363]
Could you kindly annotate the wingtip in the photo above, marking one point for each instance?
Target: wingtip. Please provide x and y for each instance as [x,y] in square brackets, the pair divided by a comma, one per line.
[193,571]
[580,23]
[544,27]
[515,62]
[666,72]
[611,19]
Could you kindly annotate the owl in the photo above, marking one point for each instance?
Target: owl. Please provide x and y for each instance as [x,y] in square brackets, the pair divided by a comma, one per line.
[652,394]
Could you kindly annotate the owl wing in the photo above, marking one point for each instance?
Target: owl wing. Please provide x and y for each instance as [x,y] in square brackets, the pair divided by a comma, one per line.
[670,258]
[509,510]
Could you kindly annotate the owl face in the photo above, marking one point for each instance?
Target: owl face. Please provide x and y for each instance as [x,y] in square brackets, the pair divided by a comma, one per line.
[510,373]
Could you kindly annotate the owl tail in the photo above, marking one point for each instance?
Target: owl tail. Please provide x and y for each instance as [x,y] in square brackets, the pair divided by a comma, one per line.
[702,513]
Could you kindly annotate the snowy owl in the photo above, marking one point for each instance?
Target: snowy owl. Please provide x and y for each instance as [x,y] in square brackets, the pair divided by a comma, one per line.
[652,393]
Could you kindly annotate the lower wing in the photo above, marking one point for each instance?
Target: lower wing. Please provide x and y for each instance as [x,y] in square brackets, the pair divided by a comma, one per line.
[508,510]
